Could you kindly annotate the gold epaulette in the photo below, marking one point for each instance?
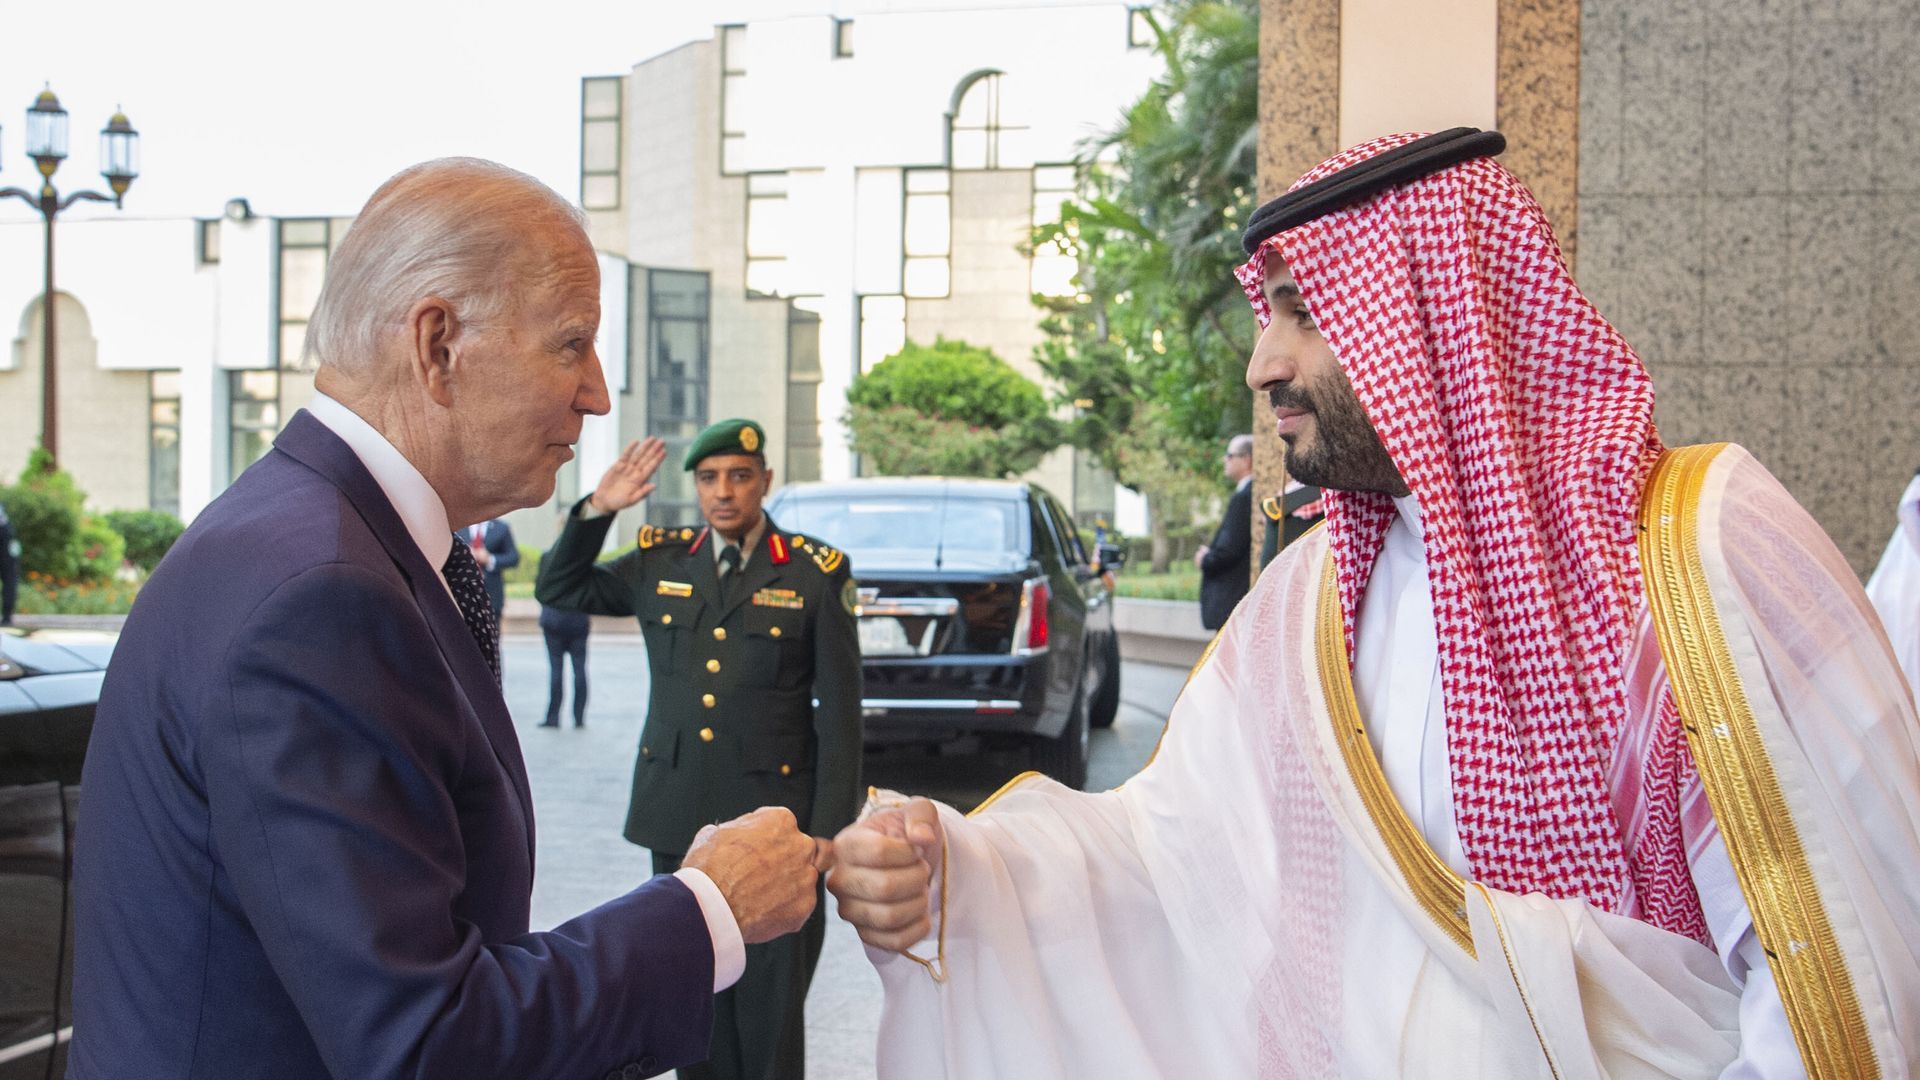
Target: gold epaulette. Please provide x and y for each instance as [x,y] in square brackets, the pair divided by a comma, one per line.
[1271,507]
[653,536]
[826,558]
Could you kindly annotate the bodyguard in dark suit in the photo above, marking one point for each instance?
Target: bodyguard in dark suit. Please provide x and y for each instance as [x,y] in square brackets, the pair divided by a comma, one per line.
[308,845]
[494,539]
[755,700]
[1225,569]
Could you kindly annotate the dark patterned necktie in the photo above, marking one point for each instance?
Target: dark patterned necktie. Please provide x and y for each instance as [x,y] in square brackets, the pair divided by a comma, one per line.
[470,593]
[729,581]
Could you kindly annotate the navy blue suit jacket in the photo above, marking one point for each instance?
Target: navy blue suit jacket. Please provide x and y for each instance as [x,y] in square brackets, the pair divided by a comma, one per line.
[305,845]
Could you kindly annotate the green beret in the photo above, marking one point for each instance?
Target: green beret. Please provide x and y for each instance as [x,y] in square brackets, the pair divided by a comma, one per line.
[727,437]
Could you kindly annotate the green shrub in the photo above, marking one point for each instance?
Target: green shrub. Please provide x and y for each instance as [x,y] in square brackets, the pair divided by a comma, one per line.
[46,525]
[97,552]
[39,596]
[951,409]
[528,568]
[148,533]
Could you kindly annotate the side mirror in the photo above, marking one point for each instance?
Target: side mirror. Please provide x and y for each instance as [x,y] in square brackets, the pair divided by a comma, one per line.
[1110,556]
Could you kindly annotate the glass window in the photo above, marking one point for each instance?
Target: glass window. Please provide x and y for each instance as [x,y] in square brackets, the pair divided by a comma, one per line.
[842,38]
[304,248]
[601,120]
[207,240]
[927,233]
[803,389]
[1139,29]
[767,234]
[979,135]
[253,417]
[733,84]
[883,328]
[1054,262]
[677,344]
[163,441]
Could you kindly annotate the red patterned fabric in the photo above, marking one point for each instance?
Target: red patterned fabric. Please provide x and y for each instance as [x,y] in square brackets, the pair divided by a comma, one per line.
[1523,424]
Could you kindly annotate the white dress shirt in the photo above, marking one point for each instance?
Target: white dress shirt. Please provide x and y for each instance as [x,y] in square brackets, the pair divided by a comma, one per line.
[425,517]
[1396,677]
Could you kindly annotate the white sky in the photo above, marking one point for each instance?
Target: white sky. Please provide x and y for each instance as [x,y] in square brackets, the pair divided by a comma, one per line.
[303,108]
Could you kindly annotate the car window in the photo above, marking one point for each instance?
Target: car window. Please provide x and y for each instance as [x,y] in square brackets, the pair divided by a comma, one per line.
[885,529]
[1069,535]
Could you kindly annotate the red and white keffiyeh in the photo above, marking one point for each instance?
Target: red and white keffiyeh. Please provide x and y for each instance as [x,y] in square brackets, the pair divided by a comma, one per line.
[1523,424]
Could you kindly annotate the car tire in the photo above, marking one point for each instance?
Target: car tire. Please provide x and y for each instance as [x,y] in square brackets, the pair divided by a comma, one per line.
[1106,698]
[1065,758]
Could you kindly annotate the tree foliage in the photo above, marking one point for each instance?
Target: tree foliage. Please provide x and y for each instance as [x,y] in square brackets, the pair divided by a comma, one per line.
[950,409]
[57,537]
[1153,349]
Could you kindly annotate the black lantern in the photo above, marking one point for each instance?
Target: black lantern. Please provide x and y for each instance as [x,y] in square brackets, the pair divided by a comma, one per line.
[47,132]
[119,154]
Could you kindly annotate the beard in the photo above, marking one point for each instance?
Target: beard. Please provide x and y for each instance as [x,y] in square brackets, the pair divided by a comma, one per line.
[1344,452]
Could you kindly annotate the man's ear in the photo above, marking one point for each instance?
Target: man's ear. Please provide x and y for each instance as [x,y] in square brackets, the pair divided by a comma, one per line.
[431,328]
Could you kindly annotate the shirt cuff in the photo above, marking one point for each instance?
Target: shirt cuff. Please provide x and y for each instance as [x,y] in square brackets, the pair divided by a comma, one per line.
[588,512]
[729,948]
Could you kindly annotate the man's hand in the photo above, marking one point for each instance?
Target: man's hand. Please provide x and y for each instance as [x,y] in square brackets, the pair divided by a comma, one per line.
[630,478]
[765,867]
[1200,557]
[882,866]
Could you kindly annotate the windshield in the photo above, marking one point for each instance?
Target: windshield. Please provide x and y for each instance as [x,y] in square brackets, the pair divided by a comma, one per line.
[877,531]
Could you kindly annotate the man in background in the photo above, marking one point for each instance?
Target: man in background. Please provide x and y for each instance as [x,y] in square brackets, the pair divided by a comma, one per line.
[1223,562]
[9,568]
[491,543]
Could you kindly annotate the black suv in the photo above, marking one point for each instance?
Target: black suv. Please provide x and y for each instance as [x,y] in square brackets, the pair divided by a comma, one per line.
[980,613]
[49,683]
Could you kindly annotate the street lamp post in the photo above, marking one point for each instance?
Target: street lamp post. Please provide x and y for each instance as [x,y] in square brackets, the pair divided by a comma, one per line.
[47,146]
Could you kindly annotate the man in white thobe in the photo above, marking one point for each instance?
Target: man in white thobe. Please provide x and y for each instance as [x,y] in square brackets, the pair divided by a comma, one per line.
[1555,752]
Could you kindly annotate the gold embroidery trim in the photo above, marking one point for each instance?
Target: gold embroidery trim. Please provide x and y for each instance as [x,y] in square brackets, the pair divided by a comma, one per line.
[1513,972]
[1433,883]
[1755,822]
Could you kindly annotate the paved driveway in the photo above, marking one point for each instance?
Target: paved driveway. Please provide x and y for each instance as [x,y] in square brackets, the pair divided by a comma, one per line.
[580,783]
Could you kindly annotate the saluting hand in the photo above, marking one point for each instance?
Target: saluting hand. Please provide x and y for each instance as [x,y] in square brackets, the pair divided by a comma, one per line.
[630,478]
[882,867]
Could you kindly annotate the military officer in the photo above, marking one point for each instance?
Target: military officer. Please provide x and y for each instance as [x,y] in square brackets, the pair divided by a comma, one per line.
[755,700]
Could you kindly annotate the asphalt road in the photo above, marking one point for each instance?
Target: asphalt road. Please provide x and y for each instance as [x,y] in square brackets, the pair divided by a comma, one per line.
[580,782]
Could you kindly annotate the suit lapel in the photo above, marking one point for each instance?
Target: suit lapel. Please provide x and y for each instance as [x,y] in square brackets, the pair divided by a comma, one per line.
[309,442]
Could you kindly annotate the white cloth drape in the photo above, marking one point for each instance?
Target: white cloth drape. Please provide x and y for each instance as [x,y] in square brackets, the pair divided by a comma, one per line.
[1894,587]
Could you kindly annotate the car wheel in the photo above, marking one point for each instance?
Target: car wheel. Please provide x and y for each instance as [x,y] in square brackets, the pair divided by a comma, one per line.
[1065,758]
[1106,699]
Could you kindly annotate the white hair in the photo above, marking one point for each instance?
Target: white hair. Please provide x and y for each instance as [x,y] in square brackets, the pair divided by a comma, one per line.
[456,228]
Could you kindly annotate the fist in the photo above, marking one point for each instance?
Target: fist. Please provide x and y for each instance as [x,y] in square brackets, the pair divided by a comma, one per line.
[765,867]
[882,869]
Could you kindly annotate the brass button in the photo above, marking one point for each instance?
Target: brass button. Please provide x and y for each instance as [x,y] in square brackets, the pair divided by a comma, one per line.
[786,770]
[666,620]
[707,700]
[775,631]
[713,665]
[719,633]
[646,750]
[706,733]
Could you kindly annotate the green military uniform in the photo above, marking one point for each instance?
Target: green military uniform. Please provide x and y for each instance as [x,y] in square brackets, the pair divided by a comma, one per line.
[1287,520]
[755,702]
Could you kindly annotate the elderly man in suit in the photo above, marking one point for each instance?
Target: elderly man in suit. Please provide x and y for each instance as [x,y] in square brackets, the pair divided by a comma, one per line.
[307,847]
